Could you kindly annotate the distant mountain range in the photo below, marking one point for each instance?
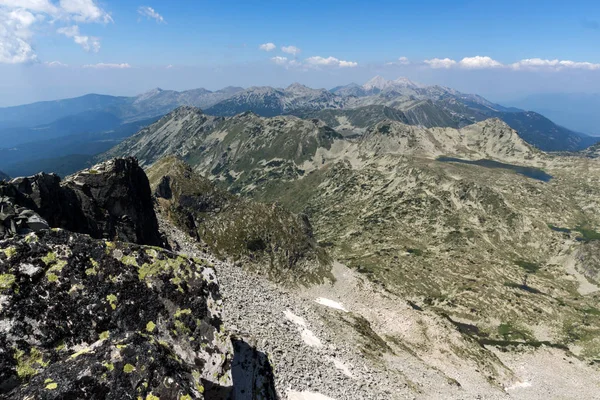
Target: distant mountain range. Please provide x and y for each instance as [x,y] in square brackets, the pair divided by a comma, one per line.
[91,124]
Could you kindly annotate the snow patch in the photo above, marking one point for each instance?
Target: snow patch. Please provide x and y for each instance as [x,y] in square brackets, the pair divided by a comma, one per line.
[330,303]
[310,338]
[519,385]
[342,367]
[294,318]
[293,395]
[307,336]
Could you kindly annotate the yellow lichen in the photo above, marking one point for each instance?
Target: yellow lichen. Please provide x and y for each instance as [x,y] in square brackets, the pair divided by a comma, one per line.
[180,312]
[51,277]
[108,366]
[152,397]
[129,260]
[185,397]
[26,365]
[128,368]
[10,251]
[150,326]
[104,335]
[6,282]
[112,299]
[94,269]
[50,384]
[80,352]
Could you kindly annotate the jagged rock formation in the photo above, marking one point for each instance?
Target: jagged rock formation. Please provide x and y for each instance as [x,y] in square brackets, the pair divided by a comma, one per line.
[111,200]
[83,318]
[261,235]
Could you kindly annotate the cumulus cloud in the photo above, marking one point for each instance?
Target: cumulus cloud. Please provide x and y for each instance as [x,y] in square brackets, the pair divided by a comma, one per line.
[84,11]
[19,19]
[293,50]
[108,66]
[151,13]
[440,63]
[538,63]
[484,62]
[87,42]
[267,46]
[479,62]
[329,62]
[15,36]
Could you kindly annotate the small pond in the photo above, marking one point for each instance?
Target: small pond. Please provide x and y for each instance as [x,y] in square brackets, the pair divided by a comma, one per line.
[530,172]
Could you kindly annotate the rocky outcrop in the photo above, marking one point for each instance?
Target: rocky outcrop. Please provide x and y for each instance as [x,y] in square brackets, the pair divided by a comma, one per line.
[111,200]
[85,318]
[18,220]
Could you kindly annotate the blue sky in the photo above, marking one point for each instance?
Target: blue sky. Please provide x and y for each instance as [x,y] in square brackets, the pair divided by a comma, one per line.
[502,49]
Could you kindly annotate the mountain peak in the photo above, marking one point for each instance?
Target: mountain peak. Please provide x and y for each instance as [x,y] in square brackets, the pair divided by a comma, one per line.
[377,82]
[403,81]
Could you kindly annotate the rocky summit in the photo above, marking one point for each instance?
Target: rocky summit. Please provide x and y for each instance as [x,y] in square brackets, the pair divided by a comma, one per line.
[111,200]
[97,316]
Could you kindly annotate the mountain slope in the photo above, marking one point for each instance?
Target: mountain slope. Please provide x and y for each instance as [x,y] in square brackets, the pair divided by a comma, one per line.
[3,176]
[42,113]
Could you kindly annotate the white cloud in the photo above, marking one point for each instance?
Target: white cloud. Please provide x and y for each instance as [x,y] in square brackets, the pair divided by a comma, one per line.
[43,6]
[479,62]
[87,42]
[84,11]
[293,50]
[267,46]
[54,64]
[440,63]
[329,62]
[15,36]
[538,63]
[19,19]
[151,13]
[108,66]
[280,60]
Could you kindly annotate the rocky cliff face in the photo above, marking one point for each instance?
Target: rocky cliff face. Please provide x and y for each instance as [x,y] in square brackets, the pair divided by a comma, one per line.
[111,200]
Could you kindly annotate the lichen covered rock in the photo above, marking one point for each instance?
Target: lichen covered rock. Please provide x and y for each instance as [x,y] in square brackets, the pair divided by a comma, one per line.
[86,318]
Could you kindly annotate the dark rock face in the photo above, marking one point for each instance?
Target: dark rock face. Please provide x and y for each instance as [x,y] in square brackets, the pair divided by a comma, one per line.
[116,200]
[18,220]
[112,200]
[84,318]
